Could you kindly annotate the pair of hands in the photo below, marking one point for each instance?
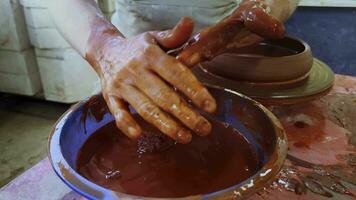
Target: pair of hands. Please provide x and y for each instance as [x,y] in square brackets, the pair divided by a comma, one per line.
[139,72]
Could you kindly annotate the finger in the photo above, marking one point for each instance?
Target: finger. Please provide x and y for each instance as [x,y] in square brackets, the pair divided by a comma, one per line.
[257,18]
[178,75]
[152,114]
[210,42]
[164,96]
[175,38]
[123,118]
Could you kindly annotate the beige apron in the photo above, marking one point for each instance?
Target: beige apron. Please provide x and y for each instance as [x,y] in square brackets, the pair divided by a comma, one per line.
[136,16]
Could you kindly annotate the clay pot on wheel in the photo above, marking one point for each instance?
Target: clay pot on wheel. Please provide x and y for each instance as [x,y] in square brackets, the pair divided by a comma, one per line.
[269,61]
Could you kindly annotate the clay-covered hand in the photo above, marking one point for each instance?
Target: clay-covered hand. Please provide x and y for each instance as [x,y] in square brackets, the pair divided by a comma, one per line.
[247,25]
[138,71]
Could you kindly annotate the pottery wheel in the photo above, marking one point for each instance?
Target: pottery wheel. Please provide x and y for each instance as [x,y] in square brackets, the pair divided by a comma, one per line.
[317,84]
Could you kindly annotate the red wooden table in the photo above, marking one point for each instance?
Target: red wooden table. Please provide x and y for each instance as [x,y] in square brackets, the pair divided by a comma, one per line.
[321,162]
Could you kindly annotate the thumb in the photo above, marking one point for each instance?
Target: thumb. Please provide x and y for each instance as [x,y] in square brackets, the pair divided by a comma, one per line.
[175,38]
[256,17]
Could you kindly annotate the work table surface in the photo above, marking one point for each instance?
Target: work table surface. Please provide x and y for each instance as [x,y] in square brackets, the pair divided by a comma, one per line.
[322,154]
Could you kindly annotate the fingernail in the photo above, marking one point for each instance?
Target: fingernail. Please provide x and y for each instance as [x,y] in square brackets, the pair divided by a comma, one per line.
[184,137]
[203,127]
[134,132]
[209,106]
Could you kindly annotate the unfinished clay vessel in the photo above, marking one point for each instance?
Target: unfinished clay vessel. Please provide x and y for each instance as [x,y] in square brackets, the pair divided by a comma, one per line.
[269,61]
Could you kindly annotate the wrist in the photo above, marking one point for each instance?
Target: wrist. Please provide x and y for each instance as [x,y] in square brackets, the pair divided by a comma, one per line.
[103,35]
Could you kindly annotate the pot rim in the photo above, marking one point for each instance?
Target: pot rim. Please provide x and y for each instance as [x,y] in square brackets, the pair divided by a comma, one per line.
[307,50]
[91,190]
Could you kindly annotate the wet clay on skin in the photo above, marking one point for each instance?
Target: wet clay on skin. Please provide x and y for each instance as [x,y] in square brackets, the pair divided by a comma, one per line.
[155,166]
[128,70]
[247,25]
[129,67]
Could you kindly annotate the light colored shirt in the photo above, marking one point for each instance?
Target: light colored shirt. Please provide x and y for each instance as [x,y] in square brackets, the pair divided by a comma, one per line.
[136,16]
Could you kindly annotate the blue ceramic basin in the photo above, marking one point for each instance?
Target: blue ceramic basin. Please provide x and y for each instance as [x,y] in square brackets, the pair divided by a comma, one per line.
[258,125]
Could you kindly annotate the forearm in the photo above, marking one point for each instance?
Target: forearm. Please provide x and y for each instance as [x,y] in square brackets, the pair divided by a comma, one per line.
[78,20]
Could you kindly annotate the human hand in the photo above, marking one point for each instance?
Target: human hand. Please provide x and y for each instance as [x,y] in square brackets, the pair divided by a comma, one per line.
[247,25]
[138,72]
